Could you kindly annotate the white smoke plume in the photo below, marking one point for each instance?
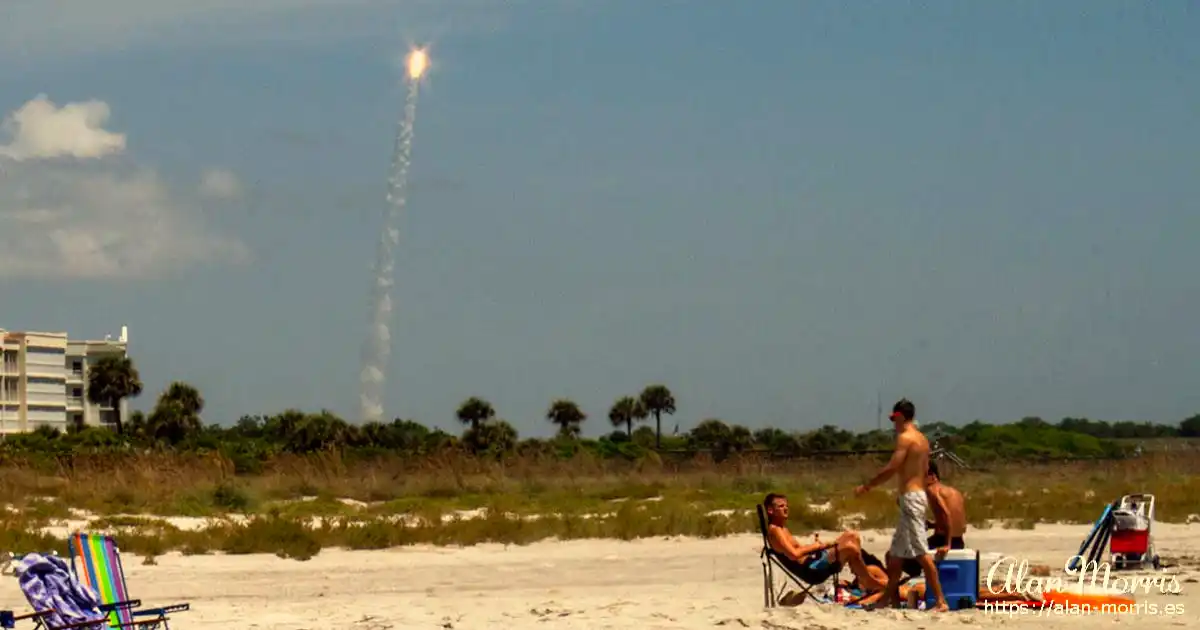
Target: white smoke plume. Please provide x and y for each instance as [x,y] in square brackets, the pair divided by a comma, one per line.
[378,346]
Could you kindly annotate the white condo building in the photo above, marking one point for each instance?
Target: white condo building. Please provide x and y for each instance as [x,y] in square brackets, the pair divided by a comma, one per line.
[43,380]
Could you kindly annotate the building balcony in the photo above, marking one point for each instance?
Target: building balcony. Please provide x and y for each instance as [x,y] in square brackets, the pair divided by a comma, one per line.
[74,402]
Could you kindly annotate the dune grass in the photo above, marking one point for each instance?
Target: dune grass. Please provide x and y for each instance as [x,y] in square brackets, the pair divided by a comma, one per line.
[299,505]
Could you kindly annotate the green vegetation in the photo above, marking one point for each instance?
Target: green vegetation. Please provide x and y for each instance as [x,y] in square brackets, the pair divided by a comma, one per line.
[296,482]
[301,503]
[174,424]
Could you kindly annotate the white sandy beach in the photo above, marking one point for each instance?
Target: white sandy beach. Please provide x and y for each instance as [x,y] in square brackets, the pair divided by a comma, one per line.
[592,584]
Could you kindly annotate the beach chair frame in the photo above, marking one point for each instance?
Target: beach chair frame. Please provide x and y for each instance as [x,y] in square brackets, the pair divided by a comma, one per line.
[122,611]
[1133,547]
[39,621]
[771,560]
[9,619]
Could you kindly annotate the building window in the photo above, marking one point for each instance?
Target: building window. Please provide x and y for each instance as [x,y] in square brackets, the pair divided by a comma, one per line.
[77,392]
[30,348]
[77,366]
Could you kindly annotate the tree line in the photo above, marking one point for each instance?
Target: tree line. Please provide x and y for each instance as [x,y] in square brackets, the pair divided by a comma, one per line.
[175,422]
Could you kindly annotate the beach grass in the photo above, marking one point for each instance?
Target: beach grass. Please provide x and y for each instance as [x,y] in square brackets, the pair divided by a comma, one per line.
[299,505]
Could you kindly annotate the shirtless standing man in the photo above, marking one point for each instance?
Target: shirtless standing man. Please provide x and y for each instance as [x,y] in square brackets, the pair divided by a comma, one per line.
[911,461]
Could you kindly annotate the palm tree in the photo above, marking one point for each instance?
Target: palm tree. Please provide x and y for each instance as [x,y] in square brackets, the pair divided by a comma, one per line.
[720,438]
[496,437]
[169,422]
[625,412]
[322,431]
[280,427]
[567,415]
[188,397]
[176,415]
[112,379]
[377,434]
[474,411]
[657,399]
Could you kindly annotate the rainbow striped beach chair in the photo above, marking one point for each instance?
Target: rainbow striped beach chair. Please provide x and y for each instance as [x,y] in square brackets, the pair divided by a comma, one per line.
[96,562]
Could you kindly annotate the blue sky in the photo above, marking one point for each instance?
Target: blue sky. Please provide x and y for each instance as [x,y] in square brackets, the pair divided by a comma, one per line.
[778,209]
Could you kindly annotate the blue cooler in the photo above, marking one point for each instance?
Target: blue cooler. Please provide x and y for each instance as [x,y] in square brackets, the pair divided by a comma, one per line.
[959,574]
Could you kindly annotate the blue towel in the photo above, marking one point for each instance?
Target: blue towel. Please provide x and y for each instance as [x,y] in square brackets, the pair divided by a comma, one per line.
[47,583]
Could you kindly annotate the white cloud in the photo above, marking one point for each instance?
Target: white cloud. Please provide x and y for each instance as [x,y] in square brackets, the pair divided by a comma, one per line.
[41,129]
[219,183]
[88,218]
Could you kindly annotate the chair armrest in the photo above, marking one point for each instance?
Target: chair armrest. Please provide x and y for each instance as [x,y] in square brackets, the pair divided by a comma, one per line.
[132,603]
[162,610]
[149,623]
[102,623]
[37,614]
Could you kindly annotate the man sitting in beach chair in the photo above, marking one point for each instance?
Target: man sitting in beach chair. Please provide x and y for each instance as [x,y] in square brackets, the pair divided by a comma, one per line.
[818,561]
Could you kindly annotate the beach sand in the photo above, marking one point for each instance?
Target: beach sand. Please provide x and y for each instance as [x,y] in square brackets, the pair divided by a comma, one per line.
[588,584]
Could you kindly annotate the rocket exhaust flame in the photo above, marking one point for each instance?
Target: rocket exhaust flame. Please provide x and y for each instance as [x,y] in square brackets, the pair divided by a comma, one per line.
[418,61]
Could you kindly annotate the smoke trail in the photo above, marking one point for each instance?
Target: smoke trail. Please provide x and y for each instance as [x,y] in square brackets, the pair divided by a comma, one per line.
[378,346]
